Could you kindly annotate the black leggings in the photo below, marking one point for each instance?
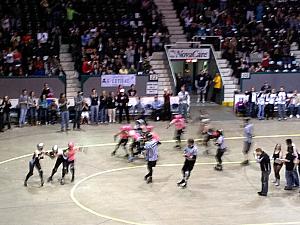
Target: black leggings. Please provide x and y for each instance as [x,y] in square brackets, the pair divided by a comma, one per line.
[71,164]
[150,166]
[60,160]
[34,163]
[219,155]
[277,168]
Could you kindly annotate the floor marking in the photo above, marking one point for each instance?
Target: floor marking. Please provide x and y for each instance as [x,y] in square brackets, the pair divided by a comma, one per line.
[200,139]
[83,207]
[163,165]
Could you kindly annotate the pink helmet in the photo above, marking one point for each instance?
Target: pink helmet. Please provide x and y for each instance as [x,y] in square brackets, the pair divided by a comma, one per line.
[149,128]
[70,144]
[179,116]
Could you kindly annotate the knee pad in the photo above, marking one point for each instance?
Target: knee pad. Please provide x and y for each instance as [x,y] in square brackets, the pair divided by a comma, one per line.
[72,166]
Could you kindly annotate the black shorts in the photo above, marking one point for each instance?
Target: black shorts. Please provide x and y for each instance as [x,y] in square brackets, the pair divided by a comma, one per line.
[151,163]
[247,147]
[188,165]
[178,133]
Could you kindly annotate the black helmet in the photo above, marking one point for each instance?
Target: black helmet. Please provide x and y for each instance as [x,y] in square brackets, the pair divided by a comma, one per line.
[149,136]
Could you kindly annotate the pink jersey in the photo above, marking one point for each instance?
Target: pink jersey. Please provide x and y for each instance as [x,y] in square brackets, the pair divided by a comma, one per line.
[155,136]
[178,123]
[71,154]
[124,135]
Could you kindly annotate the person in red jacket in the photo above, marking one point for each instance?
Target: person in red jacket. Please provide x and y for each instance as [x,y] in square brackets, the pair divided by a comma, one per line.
[87,66]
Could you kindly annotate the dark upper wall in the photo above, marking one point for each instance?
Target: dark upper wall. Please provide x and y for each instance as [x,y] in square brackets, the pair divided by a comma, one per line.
[291,81]
[14,86]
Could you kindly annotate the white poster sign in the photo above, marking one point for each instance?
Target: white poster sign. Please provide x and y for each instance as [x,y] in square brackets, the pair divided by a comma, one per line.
[152,88]
[114,80]
[199,53]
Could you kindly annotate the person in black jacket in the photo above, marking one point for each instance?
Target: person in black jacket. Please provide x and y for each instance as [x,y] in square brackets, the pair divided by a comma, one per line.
[264,160]
[5,113]
[123,105]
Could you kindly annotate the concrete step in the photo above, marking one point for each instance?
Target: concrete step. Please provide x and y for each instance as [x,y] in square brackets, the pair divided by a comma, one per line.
[171,20]
[228,99]
[65,57]
[163,75]
[218,54]
[174,40]
[73,85]
[71,94]
[172,23]
[170,15]
[225,72]
[228,82]
[174,28]
[166,7]
[163,66]
[157,62]
[161,71]
[164,83]
[72,89]
[175,32]
[163,79]
[229,95]
[67,65]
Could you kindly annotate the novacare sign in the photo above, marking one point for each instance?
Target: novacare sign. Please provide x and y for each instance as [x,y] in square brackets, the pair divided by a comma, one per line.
[200,53]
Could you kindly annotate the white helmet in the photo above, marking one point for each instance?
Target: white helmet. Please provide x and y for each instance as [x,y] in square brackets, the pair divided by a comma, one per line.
[55,148]
[40,146]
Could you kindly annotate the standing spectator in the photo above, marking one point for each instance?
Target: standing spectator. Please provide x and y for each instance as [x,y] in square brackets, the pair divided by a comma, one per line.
[294,104]
[266,87]
[23,106]
[251,102]
[103,107]
[129,56]
[85,113]
[201,84]
[156,107]
[47,91]
[293,147]
[111,107]
[132,91]
[289,168]
[43,110]
[217,87]
[32,109]
[277,157]
[261,105]
[123,105]
[264,160]
[78,100]
[167,104]
[6,104]
[94,106]
[64,113]
[270,101]
[1,118]
[184,101]
[281,102]
[156,43]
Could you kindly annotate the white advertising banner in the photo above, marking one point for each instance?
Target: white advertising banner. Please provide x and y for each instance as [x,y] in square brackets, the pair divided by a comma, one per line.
[199,53]
[152,88]
[114,80]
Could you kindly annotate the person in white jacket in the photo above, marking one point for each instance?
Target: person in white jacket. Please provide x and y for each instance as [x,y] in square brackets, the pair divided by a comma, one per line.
[184,101]
[261,98]
[281,102]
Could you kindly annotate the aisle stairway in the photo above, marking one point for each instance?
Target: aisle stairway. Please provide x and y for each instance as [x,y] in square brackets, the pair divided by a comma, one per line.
[230,83]
[160,66]
[72,83]
[171,20]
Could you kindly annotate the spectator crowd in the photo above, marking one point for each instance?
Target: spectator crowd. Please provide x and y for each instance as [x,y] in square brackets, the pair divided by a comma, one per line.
[256,36]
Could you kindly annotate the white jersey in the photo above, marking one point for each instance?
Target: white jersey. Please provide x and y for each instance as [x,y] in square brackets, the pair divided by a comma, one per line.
[271,98]
[261,99]
[220,142]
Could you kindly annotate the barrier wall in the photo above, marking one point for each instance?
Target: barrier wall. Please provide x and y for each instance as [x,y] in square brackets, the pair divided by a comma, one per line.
[13,86]
[90,82]
[291,81]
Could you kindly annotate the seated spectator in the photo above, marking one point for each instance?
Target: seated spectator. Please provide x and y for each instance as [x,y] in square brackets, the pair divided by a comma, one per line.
[157,108]
[293,106]
[123,70]
[87,67]
[131,70]
[132,91]
[53,109]
[240,108]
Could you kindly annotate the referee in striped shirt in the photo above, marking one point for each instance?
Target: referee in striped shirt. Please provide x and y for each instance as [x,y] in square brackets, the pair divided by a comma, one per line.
[151,148]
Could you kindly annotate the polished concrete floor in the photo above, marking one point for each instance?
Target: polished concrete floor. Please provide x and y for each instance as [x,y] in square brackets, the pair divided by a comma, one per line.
[109,190]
